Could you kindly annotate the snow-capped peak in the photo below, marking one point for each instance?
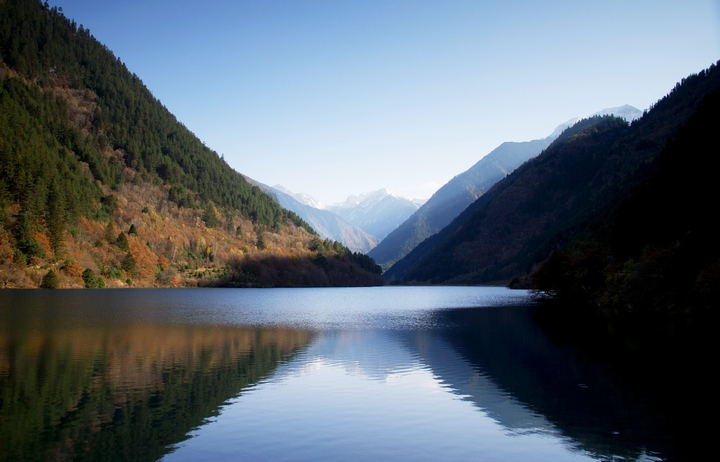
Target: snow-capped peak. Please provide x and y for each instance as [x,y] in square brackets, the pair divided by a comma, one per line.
[303,198]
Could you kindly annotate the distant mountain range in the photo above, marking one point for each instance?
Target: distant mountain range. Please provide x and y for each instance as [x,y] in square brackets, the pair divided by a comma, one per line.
[455,196]
[360,222]
[327,224]
[378,212]
[388,226]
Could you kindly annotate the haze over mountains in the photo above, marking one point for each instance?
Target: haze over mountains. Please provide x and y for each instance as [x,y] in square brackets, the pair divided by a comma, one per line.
[610,214]
[378,212]
[389,226]
[451,199]
[328,224]
[360,222]
[101,184]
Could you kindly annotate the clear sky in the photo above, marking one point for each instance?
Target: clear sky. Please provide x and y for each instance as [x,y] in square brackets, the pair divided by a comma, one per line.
[333,97]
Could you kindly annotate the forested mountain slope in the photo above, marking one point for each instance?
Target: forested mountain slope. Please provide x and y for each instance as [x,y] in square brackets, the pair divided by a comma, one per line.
[570,192]
[453,198]
[464,189]
[99,178]
[659,250]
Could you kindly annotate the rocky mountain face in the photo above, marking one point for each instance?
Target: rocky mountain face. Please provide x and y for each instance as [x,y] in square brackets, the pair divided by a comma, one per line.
[304,199]
[451,199]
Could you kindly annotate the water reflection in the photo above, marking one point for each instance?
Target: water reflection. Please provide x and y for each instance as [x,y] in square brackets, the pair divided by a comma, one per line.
[126,392]
[365,395]
[502,362]
[382,373]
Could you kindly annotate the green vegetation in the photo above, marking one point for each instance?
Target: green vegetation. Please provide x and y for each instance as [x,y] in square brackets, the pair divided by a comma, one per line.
[39,170]
[122,243]
[91,280]
[659,252]
[86,148]
[574,192]
[50,280]
[128,124]
[128,264]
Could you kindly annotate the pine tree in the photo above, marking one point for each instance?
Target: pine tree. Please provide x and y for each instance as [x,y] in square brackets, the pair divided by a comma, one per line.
[50,280]
[56,217]
[122,242]
[110,233]
[128,264]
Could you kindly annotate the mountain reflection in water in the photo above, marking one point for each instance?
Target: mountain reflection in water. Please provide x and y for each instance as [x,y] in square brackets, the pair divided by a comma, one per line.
[504,364]
[124,393]
[395,373]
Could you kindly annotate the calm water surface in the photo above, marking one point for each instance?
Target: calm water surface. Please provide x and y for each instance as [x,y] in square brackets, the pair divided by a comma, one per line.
[387,373]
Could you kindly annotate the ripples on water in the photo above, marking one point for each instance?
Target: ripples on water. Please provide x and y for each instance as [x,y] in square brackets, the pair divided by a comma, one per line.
[390,373]
[314,309]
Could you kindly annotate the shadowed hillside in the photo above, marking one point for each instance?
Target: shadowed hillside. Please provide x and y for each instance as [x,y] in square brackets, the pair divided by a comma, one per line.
[568,193]
[450,200]
[464,189]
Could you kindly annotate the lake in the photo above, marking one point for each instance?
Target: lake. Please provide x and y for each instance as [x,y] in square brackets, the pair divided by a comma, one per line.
[382,373]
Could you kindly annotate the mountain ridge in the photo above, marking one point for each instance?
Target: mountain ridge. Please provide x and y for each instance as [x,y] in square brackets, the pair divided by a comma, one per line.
[101,185]
[567,193]
[457,194]
[327,224]
[374,213]
[377,212]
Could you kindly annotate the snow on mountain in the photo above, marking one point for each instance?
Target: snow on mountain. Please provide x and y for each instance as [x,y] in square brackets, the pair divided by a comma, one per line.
[451,199]
[561,128]
[378,212]
[626,112]
[303,198]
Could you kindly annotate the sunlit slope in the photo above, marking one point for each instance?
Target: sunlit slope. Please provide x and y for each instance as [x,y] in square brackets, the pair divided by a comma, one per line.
[97,175]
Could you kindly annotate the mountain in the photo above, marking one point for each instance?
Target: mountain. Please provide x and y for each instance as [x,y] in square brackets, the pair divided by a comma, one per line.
[378,213]
[577,191]
[305,199]
[657,252]
[327,224]
[360,222]
[100,185]
[451,199]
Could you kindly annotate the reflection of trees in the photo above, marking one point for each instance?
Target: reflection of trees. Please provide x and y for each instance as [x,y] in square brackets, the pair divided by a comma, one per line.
[124,393]
[513,371]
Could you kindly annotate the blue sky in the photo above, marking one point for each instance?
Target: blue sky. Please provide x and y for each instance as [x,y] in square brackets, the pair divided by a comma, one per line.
[339,97]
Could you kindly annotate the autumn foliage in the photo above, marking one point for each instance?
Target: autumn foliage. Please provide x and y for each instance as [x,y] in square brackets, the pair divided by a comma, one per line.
[172,246]
[101,186]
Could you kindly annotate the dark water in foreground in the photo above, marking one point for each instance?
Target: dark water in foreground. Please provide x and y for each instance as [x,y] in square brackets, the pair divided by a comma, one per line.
[389,373]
